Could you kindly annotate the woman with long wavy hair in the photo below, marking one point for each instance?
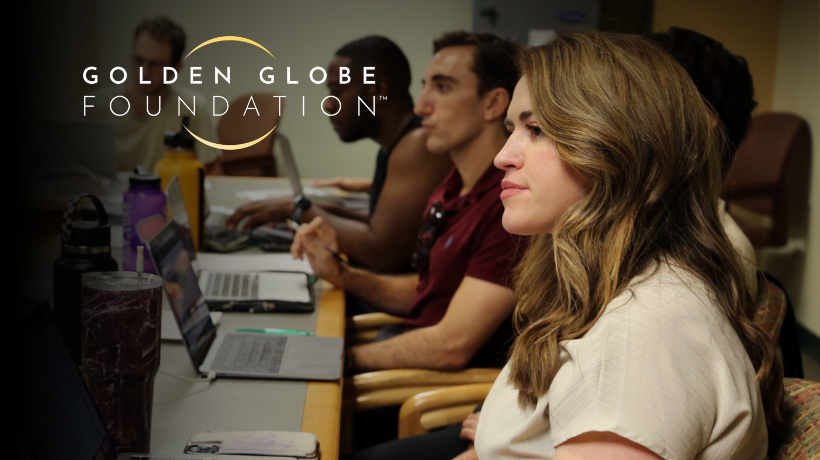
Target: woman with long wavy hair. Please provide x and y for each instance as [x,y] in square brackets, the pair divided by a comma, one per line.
[633,341]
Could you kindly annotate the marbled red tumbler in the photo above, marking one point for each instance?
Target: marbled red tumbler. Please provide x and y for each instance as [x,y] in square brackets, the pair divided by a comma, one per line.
[121,349]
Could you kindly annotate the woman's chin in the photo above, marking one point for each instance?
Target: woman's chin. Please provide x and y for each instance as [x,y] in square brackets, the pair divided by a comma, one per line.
[518,226]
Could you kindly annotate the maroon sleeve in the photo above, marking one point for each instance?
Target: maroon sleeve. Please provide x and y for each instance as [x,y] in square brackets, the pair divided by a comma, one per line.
[495,252]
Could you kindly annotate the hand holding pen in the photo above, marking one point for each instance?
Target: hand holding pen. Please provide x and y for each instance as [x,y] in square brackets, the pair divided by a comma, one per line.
[317,241]
[316,224]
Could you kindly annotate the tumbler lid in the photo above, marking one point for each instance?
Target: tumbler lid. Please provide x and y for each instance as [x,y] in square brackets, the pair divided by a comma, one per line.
[121,281]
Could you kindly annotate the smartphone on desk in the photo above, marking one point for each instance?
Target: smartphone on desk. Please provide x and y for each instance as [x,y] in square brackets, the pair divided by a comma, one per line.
[222,239]
[273,443]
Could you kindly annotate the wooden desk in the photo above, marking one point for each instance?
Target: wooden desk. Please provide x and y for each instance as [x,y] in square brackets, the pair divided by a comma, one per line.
[323,402]
[182,408]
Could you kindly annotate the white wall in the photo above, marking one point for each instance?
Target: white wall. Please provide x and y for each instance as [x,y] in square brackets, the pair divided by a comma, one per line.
[301,35]
[797,90]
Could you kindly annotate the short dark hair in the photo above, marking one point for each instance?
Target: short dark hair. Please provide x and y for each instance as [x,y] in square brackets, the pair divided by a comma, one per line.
[722,78]
[165,30]
[493,58]
[381,53]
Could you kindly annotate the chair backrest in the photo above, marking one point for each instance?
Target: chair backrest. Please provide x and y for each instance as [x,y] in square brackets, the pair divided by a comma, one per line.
[755,185]
[801,410]
[775,308]
[771,310]
[239,126]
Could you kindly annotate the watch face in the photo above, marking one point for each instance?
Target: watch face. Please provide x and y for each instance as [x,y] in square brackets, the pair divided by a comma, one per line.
[301,202]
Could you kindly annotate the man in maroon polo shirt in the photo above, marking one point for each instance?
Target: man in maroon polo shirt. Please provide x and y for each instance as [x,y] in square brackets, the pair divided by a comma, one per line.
[460,297]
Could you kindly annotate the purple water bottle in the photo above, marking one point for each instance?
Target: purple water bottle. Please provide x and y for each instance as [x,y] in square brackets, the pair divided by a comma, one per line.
[143,217]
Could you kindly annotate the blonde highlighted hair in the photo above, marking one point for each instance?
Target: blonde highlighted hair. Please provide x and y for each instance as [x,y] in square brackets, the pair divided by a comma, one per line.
[622,112]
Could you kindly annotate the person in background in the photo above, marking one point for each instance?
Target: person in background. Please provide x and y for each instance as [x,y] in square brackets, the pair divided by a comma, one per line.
[139,134]
[406,173]
[633,335]
[724,80]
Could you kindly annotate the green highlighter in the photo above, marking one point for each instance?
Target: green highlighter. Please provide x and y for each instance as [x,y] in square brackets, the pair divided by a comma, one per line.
[277,331]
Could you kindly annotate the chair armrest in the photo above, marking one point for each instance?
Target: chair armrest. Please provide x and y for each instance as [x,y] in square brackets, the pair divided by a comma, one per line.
[392,387]
[365,328]
[438,408]
[372,321]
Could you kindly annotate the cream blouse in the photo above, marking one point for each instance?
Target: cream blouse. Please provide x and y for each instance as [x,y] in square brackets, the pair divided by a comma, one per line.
[661,367]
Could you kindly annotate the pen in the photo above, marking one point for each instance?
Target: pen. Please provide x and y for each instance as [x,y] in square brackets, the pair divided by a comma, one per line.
[268,330]
[295,227]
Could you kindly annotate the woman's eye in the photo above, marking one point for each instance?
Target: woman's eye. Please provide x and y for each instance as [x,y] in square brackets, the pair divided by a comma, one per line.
[535,131]
[443,87]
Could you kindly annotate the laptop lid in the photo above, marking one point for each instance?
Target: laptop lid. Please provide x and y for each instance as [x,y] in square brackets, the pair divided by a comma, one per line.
[182,286]
[179,213]
[59,419]
[290,165]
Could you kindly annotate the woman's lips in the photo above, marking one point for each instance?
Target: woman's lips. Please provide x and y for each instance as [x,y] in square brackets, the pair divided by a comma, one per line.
[509,189]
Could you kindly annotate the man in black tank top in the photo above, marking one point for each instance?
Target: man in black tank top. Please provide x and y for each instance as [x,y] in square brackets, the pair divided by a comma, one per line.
[406,172]
[380,174]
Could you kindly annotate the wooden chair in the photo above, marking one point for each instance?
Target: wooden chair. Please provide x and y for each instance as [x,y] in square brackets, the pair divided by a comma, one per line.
[234,128]
[756,186]
[430,410]
[392,387]
[372,390]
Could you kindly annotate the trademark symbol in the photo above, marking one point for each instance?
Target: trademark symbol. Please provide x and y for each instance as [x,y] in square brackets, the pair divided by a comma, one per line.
[382,98]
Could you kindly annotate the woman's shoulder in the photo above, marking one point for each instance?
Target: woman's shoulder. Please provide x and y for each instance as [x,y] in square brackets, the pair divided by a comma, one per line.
[667,294]
[662,358]
[667,320]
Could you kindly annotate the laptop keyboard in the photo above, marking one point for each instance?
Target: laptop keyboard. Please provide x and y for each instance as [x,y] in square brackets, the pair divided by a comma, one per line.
[250,353]
[232,286]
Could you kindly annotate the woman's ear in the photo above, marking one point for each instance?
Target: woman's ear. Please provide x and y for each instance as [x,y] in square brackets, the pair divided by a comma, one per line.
[495,102]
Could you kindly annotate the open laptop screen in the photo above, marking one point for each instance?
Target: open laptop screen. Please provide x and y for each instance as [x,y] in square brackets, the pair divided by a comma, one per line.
[290,165]
[187,302]
[59,420]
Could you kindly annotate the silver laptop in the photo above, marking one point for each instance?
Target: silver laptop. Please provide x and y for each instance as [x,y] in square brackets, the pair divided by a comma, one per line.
[290,165]
[242,290]
[356,201]
[254,355]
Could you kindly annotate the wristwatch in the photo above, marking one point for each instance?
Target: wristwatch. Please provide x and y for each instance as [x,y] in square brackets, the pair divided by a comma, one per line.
[300,205]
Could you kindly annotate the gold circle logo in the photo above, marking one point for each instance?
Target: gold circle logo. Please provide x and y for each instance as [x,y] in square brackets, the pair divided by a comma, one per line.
[227,146]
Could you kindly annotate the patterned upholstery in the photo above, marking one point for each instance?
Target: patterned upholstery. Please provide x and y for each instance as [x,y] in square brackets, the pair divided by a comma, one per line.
[771,310]
[801,406]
